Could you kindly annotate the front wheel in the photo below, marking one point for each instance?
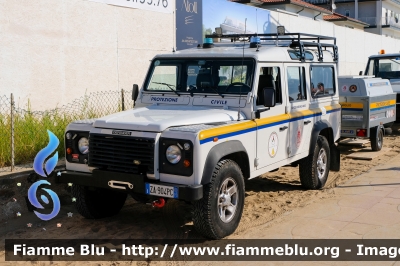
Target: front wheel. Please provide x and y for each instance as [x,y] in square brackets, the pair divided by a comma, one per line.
[376,139]
[218,213]
[314,169]
[96,203]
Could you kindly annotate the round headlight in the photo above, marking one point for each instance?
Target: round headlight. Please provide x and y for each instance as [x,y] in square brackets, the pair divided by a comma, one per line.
[68,135]
[173,154]
[83,145]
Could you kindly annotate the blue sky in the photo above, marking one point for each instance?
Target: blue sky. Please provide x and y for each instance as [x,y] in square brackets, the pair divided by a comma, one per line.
[215,12]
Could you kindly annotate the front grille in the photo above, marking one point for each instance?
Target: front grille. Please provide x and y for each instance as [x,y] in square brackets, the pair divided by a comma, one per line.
[118,153]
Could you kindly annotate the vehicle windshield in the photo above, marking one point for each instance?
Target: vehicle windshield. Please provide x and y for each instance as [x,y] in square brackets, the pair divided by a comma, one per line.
[387,68]
[211,76]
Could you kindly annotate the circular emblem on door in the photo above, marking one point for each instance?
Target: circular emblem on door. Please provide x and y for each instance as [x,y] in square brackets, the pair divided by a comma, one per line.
[273,144]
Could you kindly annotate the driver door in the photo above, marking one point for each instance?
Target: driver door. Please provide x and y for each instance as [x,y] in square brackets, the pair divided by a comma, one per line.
[273,124]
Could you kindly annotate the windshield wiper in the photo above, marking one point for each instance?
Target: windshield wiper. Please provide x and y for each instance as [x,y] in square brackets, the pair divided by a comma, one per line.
[169,87]
[216,91]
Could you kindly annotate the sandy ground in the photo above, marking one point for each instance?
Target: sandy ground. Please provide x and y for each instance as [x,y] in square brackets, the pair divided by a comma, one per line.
[267,197]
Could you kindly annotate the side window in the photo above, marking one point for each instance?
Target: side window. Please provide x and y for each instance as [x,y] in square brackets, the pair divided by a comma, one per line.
[296,83]
[269,78]
[322,81]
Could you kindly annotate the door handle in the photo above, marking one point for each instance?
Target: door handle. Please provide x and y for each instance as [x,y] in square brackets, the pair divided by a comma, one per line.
[283,128]
[307,122]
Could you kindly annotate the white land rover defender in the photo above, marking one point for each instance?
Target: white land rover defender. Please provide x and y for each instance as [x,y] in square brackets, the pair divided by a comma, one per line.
[206,120]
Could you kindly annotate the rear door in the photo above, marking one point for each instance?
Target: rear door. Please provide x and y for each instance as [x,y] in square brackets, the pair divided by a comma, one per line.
[301,119]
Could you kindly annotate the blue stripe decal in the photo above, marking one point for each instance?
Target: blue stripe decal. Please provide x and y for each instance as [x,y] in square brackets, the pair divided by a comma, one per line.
[334,110]
[224,136]
[381,108]
[352,109]
[240,132]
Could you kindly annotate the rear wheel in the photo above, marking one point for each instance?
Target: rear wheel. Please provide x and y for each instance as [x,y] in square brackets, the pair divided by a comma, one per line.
[96,203]
[314,169]
[218,213]
[376,139]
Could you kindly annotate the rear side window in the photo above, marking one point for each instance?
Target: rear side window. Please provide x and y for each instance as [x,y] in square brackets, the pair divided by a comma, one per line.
[322,81]
[295,55]
[296,83]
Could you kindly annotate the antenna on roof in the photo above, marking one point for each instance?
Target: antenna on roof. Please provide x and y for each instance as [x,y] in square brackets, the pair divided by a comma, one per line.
[256,22]
[257,30]
[241,73]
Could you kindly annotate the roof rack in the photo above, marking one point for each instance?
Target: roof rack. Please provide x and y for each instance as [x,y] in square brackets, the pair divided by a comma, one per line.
[298,40]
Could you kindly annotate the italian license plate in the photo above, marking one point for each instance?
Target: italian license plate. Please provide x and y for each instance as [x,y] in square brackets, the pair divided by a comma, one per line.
[162,191]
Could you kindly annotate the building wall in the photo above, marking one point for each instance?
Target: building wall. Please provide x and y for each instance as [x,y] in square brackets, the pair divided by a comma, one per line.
[350,24]
[342,7]
[366,9]
[53,51]
[304,12]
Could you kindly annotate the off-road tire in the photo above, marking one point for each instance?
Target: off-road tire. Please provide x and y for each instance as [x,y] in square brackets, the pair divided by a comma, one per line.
[96,203]
[376,139]
[206,217]
[309,166]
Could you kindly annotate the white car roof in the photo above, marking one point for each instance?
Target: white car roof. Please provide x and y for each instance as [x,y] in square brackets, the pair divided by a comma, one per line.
[384,55]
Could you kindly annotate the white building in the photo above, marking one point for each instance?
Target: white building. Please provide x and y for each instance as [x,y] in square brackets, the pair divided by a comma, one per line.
[381,15]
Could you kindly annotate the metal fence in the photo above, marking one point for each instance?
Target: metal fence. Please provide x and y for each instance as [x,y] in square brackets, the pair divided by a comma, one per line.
[23,133]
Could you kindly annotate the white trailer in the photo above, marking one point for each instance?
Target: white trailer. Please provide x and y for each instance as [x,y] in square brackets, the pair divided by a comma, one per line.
[368,106]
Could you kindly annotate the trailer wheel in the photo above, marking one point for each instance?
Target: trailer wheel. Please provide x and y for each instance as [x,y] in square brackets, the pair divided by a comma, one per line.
[376,139]
[314,168]
[218,213]
[97,203]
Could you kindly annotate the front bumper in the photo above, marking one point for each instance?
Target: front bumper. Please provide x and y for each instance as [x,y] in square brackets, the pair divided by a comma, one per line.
[101,179]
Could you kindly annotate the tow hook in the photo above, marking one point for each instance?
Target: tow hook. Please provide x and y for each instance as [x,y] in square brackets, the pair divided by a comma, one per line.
[158,203]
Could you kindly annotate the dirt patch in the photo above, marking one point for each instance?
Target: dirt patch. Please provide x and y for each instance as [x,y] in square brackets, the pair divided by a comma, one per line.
[267,197]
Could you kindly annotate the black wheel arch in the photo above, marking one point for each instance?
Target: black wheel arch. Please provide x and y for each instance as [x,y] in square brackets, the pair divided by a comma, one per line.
[324,128]
[233,150]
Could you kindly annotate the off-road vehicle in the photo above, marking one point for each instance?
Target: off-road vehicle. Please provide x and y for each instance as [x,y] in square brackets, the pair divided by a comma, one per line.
[386,66]
[206,120]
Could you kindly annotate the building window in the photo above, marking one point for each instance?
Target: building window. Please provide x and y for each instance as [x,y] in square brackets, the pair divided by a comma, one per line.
[347,13]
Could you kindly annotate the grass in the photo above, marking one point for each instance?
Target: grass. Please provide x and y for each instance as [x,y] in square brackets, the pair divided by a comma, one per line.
[30,128]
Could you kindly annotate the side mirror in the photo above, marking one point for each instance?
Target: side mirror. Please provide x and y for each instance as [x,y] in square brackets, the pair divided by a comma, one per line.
[269,97]
[360,73]
[135,92]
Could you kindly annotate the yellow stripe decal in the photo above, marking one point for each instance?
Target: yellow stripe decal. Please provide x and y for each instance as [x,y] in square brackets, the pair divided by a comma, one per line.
[226,129]
[382,105]
[347,105]
[248,126]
